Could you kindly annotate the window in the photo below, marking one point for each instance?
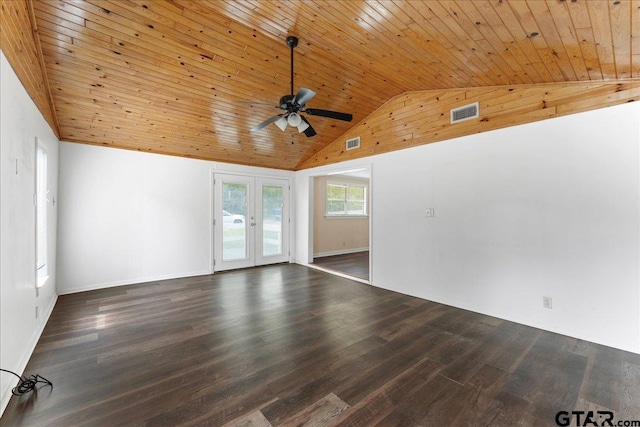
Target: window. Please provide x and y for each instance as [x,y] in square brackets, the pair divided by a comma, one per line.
[346,199]
[41,215]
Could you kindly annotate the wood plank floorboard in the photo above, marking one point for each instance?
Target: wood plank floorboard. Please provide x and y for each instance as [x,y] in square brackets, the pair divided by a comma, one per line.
[355,264]
[287,345]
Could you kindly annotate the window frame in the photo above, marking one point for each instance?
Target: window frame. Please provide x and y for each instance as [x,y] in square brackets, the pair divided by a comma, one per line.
[42,206]
[345,213]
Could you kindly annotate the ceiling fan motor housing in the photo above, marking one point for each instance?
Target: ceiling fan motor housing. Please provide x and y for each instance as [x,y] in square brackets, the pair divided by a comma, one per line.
[286,102]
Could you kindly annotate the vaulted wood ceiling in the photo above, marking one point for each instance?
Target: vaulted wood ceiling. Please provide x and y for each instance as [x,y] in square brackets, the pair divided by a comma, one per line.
[173,76]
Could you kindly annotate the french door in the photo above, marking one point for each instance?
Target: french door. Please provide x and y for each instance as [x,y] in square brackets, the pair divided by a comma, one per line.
[251,221]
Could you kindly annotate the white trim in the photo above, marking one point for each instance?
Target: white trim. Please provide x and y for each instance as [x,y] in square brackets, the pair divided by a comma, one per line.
[240,173]
[310,207]
[292,220]
[336,170]
[343,172]
[41,272]
[340,252]
[342,216]
[254,186]
[6,394]
[135,281]
[370,201]
[212,231]
[42,280]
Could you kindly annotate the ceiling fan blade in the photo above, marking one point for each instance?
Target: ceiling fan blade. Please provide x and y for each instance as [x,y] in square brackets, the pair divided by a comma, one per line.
[303,96]
[309,132]
[267,122]
[330,114]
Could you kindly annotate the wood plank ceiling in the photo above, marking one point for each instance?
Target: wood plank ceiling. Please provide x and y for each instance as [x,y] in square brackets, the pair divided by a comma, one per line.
[171,76]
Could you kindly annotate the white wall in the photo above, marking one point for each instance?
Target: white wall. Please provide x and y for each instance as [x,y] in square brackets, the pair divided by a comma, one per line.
[544,209]
[21,123]
[128,217]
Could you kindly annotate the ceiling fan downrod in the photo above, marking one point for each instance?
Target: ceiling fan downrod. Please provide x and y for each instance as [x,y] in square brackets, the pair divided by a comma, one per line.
[292,42]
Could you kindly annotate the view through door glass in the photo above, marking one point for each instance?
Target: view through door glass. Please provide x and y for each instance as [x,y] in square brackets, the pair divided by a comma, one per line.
[272,203]
[234,221]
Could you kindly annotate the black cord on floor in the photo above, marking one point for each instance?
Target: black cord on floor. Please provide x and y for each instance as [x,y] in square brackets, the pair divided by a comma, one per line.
[27,384]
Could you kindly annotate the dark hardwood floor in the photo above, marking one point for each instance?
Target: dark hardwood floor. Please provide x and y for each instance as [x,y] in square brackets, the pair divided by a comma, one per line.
[355,264]
[288,345]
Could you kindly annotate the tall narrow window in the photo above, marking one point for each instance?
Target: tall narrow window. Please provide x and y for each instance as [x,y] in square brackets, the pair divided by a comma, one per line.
[41,215]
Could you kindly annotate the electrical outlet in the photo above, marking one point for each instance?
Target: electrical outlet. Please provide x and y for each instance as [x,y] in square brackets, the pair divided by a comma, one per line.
[430,213]
[547,302]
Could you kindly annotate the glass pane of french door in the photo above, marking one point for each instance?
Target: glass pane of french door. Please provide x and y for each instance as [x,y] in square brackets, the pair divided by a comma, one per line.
[234,224]
[234,221]
[272,203]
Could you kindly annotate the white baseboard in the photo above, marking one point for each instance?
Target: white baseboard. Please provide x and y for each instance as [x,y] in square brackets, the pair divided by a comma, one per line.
[340,252]
[453,302]
[133,281]
[6,393]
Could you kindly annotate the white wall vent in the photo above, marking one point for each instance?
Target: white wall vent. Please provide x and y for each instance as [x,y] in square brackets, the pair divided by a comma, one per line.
[467,112]
[353,143]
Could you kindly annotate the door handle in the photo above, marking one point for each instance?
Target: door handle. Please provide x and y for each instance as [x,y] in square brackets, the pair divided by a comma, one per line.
[253,223]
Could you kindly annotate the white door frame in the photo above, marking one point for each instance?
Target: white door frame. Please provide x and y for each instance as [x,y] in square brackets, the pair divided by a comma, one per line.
[254,221]
[338,171]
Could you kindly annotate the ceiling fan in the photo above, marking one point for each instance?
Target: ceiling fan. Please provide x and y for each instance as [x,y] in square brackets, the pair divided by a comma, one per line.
[293,105]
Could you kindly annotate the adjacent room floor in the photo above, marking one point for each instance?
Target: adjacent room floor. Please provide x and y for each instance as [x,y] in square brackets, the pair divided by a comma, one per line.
[355,264]
[290,345]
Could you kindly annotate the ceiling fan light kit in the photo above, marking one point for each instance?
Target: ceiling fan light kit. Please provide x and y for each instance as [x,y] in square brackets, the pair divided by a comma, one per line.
[295,104]
[281,123]
[294,119]
[302,126]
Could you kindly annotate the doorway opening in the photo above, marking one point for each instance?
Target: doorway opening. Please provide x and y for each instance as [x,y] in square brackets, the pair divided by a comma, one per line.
[340,225]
